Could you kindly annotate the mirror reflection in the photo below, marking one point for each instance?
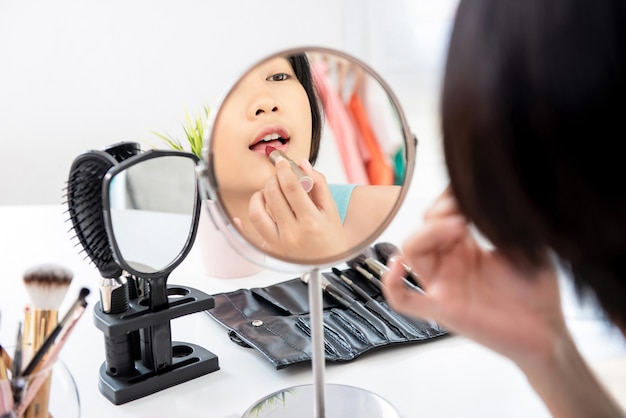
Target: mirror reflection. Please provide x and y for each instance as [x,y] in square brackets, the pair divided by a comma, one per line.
[302,119]
[152,206]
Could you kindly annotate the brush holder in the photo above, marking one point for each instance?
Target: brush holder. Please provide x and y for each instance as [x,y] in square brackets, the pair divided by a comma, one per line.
[143,377]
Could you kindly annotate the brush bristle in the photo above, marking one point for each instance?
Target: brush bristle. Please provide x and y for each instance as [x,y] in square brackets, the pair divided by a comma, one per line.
[385,250]
[359,260]
[84,200]
[47,285]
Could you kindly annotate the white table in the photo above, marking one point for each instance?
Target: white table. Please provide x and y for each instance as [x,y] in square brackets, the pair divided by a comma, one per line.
[451,377]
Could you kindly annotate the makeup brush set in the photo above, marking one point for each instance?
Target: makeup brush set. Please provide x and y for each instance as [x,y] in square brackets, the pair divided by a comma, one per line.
[25,377]
[275,320]
[136,305]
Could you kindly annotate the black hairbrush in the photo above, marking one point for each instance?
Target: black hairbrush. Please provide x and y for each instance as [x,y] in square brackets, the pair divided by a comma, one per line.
[122,150]
[84,202]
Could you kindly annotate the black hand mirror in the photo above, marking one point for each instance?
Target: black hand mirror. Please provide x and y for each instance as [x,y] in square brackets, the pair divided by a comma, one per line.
[151,208]
[332,110]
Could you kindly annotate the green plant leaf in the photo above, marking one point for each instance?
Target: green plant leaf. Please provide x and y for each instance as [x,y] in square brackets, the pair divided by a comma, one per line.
[194,129]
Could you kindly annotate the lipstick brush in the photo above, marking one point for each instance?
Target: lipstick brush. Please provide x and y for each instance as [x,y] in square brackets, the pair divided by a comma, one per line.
[305,180]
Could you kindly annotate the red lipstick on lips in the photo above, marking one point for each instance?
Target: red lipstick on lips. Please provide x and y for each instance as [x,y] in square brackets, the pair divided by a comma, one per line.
[305,180]
[270,136]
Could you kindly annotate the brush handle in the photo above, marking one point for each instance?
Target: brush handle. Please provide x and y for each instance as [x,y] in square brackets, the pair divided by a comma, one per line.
[38,406]
[355,287]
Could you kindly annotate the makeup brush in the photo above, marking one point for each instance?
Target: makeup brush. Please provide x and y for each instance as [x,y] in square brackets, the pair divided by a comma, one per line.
[3,366]
[399,324]
[5,361]
[68,319]
[386,250]
[348,302]
[364,265]
[45,357]
[356,288]
[340,297]
[47,285]
[17,384]
[358,263]
[305,180]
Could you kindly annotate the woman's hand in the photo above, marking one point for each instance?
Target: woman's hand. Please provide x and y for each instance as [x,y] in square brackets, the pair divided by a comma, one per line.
[477,292]
[294,223]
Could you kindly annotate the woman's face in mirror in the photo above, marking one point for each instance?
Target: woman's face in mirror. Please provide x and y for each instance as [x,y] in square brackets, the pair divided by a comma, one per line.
[268,107]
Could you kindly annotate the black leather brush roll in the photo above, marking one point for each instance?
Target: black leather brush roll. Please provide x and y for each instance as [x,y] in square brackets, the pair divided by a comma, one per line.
[275,321]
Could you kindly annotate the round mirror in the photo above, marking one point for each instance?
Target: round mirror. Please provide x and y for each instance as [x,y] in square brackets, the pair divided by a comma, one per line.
[308,159]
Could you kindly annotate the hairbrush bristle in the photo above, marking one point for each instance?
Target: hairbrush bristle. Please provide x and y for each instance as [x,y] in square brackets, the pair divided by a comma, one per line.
[47,285]
[85,207]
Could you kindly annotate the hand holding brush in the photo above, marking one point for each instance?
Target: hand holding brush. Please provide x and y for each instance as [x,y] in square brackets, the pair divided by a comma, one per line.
[370,266]
[385,251]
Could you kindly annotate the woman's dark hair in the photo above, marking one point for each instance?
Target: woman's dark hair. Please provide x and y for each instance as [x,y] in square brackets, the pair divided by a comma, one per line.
[533,104]
[301,67]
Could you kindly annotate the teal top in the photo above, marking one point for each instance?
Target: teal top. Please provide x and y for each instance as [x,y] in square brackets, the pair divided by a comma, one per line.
[341,194]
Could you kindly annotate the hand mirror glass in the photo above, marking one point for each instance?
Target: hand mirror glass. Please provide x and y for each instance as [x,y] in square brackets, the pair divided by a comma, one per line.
[308,159]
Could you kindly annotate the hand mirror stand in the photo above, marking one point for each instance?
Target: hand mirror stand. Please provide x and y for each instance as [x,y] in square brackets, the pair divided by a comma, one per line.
[151,207]
[319,400]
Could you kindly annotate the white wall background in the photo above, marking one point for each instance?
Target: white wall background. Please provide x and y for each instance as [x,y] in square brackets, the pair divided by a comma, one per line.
[82,74]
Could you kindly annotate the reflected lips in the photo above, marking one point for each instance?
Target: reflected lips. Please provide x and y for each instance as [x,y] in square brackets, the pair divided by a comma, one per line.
[305,180]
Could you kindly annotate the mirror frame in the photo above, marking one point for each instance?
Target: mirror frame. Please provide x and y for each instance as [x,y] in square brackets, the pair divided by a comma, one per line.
[106,205]
[209,187]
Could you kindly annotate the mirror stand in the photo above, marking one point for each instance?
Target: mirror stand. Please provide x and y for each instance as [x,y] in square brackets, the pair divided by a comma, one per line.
[323,399]
[144,377]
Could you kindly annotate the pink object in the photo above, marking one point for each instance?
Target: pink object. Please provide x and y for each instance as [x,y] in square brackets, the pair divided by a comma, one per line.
[268,151]
[339,120]
[219,258]
[6,397]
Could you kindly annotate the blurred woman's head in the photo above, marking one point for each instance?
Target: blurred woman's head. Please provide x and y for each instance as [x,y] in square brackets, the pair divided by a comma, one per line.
[532,106]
